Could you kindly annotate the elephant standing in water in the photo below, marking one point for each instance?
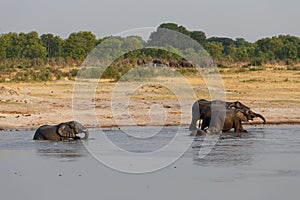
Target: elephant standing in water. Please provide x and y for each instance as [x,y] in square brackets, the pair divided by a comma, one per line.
[62,132]
[233,119]
[202,106]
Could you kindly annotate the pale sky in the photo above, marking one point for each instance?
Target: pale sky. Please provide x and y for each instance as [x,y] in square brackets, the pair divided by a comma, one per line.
[250,19]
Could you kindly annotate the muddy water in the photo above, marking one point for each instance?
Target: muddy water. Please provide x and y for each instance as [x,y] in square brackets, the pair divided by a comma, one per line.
[262,165]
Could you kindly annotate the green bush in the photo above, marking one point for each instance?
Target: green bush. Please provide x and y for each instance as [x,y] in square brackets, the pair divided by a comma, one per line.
[293,68]
[256,68]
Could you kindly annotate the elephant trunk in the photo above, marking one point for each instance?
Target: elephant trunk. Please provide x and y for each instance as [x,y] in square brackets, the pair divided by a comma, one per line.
[81,129]
[260,116]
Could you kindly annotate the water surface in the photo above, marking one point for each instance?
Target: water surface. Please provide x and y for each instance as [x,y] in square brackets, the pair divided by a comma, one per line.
[262,165]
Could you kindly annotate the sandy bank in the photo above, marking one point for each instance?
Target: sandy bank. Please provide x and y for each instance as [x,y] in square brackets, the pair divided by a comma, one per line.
[29,105]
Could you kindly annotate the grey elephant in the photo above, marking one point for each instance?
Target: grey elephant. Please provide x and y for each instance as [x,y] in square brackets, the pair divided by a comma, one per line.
[200,105]
[62,132]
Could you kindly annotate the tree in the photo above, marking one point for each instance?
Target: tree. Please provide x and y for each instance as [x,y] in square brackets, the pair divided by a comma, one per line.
[4,44]
[109,50]
[175,27]
[33,51]
[231,53]
[288,51]
[163,38]
[53,45]
[242,54]
[215,49]
[33,47]
[223,40]
[83,40]
[290,48]
[132,43]
[241,42]
[269,47]
[16,45]
[199,36]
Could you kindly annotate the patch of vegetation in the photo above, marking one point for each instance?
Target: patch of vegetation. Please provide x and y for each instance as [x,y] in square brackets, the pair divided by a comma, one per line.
[253,80]
[257,68]
[279,68]
[293,68]
[241,70]
[22,52]
[187,71]
[256,62]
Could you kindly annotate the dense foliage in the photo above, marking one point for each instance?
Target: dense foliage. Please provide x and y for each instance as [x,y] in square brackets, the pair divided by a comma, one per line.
[29,50]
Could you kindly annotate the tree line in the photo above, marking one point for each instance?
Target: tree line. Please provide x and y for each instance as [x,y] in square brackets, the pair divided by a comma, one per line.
[32,49]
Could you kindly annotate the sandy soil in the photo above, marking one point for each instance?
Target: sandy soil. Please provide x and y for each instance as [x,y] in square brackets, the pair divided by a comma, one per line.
[273,93]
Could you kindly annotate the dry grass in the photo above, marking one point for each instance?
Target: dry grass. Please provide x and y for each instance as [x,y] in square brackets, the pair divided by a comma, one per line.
[274,92]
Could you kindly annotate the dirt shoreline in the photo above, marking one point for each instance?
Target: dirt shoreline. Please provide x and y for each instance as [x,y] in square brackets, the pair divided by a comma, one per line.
[249,124]
[30,105]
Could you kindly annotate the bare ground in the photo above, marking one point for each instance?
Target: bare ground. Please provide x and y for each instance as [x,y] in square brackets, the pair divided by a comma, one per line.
[273,93]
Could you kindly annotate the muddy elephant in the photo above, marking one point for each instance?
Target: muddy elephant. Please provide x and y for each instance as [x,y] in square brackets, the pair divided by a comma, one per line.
[62,132]
[232,120]
[199,106]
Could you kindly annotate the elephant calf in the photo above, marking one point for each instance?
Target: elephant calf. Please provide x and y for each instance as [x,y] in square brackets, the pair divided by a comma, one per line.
[62,132]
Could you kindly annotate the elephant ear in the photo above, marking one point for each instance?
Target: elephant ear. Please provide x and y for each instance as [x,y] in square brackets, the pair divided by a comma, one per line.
[65,130]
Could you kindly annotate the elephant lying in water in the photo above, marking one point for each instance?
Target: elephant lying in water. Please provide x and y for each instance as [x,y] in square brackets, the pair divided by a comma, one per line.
[62,132]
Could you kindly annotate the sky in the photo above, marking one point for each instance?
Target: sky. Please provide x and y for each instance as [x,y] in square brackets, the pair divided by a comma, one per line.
[249,19]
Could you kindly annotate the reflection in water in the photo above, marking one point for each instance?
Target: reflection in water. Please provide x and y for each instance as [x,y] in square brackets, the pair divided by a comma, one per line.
[64,151]
[227,152]
[139,139]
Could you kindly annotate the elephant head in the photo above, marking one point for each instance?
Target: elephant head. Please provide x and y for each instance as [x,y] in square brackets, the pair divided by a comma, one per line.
[70,129]
[247,111]
[251,115]
[241,115]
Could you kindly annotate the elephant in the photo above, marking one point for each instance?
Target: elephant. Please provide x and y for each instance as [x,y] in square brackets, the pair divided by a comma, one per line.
[157,63]
[233,119]
[141,62]
[186,63]
[173,63]
[199,106]
[62,132]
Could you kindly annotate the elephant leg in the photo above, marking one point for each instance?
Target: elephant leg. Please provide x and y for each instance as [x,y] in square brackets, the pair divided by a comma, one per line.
[195,116]
[238,128]
[193,125]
